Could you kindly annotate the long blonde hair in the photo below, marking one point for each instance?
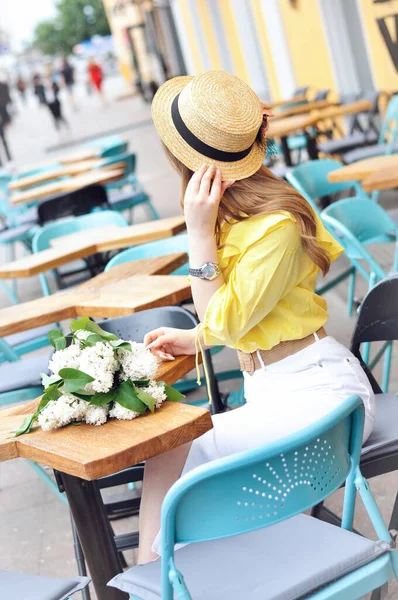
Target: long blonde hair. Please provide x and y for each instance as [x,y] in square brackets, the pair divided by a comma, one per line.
[262,193]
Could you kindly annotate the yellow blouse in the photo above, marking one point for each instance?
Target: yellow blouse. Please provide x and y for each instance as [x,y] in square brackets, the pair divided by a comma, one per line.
[268,292]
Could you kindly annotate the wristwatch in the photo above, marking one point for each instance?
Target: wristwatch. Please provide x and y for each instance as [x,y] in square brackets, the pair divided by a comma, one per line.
[208,271]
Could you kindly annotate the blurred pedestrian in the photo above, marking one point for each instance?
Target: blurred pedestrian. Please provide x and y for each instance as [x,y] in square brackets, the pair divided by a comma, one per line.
[5,100]
[96,77]
[3,125]
[68,75]
[51,95]
[21,87]
[38,88]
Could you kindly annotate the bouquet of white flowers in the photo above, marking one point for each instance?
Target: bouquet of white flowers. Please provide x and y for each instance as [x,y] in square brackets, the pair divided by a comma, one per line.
[95,377]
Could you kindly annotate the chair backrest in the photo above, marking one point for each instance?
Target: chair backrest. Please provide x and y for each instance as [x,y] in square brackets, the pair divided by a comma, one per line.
[389,128]
[114,150]
[43,237]
[74,204]
[311,180]
[108,144]
[177,243]
[254,489]
[321,95]
[135,326]
[127,157]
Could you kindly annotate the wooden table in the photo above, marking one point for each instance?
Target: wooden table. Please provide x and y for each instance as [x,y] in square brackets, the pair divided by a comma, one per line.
[300,109]
[69,170]
[293,100]
[78,155]
[377,173]
[80,245]
[104,175]
[82,454]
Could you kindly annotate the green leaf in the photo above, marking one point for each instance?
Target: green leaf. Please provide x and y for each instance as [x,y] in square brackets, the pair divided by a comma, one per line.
[93,339]
[89,325]
[74,379]
[26,425]
[140,382]
[57,339]
[172,394]
[146,398]
[51,393]
[120,344]
[127,397]
[103,398]
[49,380]
[83,396]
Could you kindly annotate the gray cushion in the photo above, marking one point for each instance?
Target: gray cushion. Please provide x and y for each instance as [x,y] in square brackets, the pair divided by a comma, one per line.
[384,437]
[22,373]
[30,334]
[366,152]
[19,586]
[14,233]
[29,216]
[347,143]
[282,562]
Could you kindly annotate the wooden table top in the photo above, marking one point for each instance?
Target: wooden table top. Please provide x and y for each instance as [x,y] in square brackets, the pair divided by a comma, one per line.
[383,179]
[104,175]
[78,155]
[362,169]
[345,109]
[302,108]
[290,125]
[91,452]
[69,170]
[112,239]
[127,288]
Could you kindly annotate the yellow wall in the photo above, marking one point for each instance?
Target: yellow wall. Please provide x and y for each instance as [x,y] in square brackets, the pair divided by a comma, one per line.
[386,77]
[305,37]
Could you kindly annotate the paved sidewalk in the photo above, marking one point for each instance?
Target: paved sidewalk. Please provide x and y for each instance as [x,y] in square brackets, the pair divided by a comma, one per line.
[35,533]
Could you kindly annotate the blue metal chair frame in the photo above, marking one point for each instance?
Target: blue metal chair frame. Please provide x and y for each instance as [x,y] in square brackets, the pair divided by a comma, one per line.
[138,195]
[218,494]
[357,222]
[311,180]
[42,238]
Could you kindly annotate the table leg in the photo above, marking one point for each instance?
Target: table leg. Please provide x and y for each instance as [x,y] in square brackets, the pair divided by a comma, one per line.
[95,534]
[286,152]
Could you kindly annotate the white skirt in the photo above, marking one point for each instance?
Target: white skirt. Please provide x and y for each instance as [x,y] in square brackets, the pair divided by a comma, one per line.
[283,398]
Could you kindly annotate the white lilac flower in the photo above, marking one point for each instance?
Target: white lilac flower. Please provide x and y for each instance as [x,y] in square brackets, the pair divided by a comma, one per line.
[96,415]
[58,413]
[140,363]
[120,412]
[81,335]
[157,392]
[69,357]
[99,361]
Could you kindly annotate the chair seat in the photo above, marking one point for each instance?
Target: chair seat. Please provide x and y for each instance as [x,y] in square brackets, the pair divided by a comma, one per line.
[14,233]
[366,152]
[20,586]
[384,437]
[347,143]
[281,562]
[22,373]
[26,336]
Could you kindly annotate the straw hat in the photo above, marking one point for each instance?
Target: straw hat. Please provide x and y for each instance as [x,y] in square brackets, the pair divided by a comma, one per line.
[213,118]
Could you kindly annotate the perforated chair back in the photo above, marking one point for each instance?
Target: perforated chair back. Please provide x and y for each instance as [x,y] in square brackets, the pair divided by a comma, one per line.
[311,180]
[255,489]
[43,237]
[177,243]
[80,202]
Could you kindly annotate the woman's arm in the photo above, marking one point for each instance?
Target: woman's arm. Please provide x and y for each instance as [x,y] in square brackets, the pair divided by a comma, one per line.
[201,202]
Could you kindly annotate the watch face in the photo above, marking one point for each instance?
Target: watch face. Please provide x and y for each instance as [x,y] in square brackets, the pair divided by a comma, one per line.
[208,271]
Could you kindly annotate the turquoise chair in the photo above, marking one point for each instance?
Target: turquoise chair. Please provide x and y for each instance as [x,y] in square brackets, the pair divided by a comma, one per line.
[241,516]
[177,243]
[127,193]
[356,223]
[110,145]
[36,170]
[311,180]
[44,235]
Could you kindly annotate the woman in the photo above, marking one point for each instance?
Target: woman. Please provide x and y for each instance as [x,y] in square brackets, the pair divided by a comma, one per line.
[255,249]
[51,97]
[95,76]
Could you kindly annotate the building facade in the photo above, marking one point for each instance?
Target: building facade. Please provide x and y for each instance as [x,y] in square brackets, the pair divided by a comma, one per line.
[277,46]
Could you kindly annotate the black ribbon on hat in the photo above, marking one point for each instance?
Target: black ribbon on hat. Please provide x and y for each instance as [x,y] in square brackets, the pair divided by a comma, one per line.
[197,144]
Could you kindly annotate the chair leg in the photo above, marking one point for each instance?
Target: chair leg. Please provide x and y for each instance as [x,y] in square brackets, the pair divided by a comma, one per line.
[80,560]
[151,210]
[386,368]
[351,292]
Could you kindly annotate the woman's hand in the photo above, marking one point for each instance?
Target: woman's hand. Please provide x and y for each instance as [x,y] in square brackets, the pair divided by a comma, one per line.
[201,201]
[167,342]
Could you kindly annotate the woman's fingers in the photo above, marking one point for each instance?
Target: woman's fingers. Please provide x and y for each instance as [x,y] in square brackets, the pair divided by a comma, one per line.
[196,179]
[205,184]
[225,186]
[153,335]
[216,188]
